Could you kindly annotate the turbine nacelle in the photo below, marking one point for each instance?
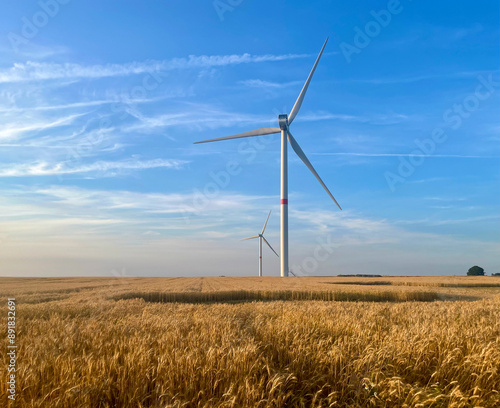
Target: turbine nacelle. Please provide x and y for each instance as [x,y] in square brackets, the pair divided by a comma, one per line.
[283,121]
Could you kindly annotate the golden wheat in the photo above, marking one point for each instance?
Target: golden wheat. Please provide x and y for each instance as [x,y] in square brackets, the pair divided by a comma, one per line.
[104,346]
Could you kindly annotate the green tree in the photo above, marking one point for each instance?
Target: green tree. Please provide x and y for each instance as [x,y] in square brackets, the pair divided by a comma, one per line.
[475,271]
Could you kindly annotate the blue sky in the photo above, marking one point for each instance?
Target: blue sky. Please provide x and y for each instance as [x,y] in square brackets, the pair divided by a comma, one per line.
[100,103]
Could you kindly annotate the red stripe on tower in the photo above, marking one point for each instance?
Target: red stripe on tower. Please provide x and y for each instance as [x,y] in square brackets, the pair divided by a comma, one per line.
[284,201]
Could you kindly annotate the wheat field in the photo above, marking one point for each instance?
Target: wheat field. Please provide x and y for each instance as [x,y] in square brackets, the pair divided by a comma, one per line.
[256,342]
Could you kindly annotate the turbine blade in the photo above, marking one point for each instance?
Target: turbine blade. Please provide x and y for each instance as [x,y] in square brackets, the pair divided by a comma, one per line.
[269,245]
[306,161]
[255,236]
[298,103]
[263,229]
[256,132]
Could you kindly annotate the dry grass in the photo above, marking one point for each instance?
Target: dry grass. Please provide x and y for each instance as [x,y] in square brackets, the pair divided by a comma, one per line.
[89,350]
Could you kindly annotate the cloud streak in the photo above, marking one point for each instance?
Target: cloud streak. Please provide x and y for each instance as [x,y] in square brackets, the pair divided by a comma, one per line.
[144,204]
[40,71]
[212,117]
[374,119]
[259,83]
[449,156]
[15,129]
[425,77]
[435,222]
[102,167]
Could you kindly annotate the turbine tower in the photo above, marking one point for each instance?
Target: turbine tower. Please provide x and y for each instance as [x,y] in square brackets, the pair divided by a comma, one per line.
[284,122]
[261,237]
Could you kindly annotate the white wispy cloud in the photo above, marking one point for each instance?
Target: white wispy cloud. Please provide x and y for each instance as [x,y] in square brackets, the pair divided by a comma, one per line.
[435,222]
[425,77]
[375,119]
[73,211]
[101,167]
[348,230]
[259,83]
[451,156]
[14,129]
[438,198]
[437,36]
[345,222]
[37,71]
[197,117]
[74,223]
[428,180]
[76,198]
[76,105]
[222,216]
[201,116]
[33,51]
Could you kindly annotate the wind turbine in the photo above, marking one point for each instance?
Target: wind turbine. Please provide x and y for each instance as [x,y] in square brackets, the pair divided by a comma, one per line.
[261,237]
[284,122]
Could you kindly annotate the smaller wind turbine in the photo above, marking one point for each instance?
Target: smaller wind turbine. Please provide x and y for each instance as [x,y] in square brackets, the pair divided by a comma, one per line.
[261,237]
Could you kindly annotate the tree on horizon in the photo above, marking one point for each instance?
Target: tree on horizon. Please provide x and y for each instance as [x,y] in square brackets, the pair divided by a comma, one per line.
[475,271]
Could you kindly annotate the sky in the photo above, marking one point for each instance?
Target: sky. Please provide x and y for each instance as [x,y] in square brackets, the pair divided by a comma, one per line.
[100,103]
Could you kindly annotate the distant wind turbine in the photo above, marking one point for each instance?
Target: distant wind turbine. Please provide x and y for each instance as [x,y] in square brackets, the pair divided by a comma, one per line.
[284,122]
[261,237]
